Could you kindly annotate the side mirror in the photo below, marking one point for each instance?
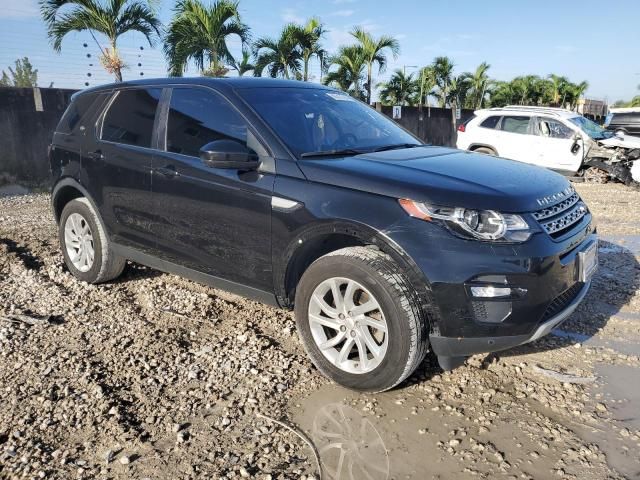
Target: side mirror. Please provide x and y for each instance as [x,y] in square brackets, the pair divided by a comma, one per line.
[228,154]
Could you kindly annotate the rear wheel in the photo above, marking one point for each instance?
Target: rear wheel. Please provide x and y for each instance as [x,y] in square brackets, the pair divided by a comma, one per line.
[359,319]
[85,246]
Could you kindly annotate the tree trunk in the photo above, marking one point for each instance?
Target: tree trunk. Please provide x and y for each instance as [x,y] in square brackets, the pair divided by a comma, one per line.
[454,133]
[118,73]
[369,75]
[306,68]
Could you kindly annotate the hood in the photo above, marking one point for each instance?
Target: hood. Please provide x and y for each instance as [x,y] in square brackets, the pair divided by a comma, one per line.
[624,141]
[442,176]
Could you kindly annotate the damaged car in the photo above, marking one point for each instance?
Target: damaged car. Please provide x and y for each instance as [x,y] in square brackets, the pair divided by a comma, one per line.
[558,139]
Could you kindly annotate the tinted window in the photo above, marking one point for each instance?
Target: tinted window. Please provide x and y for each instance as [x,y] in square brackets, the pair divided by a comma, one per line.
[78,108]
[553,129]
[515,124]
[197,117]
[315,119]
[490,122]
[130,117]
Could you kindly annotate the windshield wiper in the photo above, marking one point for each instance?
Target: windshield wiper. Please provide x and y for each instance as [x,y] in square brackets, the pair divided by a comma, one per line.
[397,146]
[331,153]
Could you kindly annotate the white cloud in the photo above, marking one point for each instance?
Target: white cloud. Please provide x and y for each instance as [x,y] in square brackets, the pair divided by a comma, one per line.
[290,15]
[342,13]
[342,2]
[400,36]
[21,9]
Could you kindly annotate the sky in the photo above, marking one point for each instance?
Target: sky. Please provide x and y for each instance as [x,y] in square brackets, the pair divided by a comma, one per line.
[583,40]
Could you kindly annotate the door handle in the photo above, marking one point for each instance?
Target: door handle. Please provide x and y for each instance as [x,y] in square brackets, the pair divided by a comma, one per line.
[95,155]
[168,171]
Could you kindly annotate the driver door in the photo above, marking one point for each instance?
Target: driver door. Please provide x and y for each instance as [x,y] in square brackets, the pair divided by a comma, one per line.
[555,145]
[213,220]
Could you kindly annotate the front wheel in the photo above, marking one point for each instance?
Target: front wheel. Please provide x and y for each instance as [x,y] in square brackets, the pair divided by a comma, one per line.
[359,319]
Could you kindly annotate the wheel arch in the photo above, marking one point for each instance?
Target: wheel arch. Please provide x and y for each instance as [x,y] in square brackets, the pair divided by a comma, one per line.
[66,190]
[474,146]
[321,239]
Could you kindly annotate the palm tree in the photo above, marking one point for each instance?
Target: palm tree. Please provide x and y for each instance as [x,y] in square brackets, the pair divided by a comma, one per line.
[426,82]
[458,91]
[348,75]
[281,57]
[244,65]
[479,85]
[401,89]
[557,89]
[111,18]
[374,53]
[309,37]
[443,73]
[200,33]
[576,91]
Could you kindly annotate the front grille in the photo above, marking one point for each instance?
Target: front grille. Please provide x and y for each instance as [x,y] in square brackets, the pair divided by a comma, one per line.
[559,218]
[562,301]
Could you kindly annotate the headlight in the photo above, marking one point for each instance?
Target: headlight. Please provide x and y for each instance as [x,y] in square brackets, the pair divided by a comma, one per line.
[487,225]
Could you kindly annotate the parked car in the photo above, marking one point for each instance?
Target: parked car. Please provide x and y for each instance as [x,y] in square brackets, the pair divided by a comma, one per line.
[298,195]
[624,121]
[554,138]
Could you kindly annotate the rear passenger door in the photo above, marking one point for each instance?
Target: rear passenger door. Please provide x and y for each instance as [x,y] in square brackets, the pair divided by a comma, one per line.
[516,140]
[118,165]
[213,220]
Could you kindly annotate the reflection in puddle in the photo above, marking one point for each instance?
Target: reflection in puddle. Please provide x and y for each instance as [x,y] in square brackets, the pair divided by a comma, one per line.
[349,445]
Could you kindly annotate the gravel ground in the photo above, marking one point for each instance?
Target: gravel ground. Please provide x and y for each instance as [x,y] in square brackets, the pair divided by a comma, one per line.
[153,376]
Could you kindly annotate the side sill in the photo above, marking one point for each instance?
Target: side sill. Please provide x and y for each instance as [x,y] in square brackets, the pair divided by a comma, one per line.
[261,296]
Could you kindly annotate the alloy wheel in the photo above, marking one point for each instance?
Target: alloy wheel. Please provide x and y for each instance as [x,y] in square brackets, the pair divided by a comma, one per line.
[348,325]
[78,240]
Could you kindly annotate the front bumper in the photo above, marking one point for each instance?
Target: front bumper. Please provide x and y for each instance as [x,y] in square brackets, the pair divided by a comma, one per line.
[463,347]
[545,272]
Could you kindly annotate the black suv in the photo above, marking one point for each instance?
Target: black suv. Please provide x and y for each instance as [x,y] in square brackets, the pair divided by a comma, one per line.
[625,121]
[300,196]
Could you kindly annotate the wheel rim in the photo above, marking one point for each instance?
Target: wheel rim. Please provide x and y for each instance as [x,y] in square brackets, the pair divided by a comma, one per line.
[348,325]
[78,240]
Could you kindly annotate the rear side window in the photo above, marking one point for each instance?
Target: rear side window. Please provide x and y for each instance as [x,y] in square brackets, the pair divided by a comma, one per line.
[197,117]
[74,113]
[490,122]
[515,124]
[130,117]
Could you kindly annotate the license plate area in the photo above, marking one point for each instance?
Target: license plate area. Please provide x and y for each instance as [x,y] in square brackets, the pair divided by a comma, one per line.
[587,261]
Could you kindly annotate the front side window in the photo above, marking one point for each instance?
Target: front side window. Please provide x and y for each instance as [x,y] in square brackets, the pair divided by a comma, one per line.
[312,120]
[130,117]
[197,117]
[515,124]
[553,129]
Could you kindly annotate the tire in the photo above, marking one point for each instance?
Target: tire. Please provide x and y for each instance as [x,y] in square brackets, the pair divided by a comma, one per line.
[485,150]
[105,265]
[373,275]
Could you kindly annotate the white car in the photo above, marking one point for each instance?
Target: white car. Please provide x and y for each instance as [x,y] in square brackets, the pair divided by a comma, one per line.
[553,138]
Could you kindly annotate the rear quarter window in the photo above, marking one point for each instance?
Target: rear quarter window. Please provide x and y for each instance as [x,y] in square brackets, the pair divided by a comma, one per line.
[78,108]
[490,122]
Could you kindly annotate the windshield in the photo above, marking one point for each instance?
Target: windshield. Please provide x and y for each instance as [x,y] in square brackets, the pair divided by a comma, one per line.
[592,129]
[310,120]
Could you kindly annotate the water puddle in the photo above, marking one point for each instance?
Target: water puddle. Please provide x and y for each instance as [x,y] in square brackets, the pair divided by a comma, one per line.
[626,348]
[619,243]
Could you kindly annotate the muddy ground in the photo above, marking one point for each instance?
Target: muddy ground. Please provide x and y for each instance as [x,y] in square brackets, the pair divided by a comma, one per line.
[153,376]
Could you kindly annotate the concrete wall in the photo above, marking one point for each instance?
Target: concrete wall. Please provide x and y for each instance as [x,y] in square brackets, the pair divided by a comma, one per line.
[28,118]
[433,125]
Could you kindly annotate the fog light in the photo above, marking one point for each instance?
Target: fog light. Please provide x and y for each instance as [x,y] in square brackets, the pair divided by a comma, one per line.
[489,291]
